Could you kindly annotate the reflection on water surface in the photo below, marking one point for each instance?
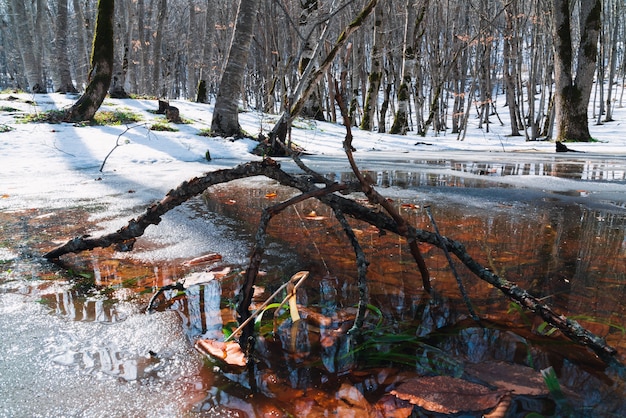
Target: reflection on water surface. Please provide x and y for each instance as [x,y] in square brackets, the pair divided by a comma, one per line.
[565,252]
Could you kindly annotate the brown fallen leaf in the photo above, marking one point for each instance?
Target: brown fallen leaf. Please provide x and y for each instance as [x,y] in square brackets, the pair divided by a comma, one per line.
[271,195]
[313,216]
[228,352]
[207,258]
[204,277]
[520,379]
[448,395]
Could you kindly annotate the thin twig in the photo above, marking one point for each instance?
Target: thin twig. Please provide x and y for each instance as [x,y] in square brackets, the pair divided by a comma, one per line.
[117,143]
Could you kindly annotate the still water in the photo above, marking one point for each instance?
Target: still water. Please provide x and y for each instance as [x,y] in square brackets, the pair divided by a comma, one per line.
[77,341]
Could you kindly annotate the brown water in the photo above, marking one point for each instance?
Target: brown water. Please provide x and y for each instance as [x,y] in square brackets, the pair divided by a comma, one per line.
[569,253]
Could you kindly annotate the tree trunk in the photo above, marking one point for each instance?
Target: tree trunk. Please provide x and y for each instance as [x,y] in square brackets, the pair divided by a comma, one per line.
[82,54]
[574,77]
[62,59]
[225,116]
[376,71]
[510,51]
[157,54]
[207,53]
[101,66]
[25,35]
[400,122]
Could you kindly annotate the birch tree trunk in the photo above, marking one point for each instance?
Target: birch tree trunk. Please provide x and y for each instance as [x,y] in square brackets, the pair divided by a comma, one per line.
[400,122]
[101,66]
[225,120]
[574,77]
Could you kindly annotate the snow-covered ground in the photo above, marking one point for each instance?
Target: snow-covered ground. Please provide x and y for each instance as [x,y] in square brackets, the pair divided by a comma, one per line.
[59,164]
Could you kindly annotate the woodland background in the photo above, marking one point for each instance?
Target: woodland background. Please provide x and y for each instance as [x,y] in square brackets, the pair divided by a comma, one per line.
[462,56]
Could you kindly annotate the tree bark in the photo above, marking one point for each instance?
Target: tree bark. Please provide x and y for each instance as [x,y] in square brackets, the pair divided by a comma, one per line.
[225,116]
[101,69]
[574,77]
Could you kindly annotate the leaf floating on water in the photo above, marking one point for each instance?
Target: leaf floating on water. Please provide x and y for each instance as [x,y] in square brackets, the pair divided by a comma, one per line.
[207,258]
[228,352]
[448,395]
[520,379]
[204,277]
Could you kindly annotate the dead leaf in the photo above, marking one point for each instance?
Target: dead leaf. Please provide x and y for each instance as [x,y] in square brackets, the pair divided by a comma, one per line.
[520,379]
[448,395]
[271,195]
[204,277]
[228,352]
[207,258]
[313,216]
[391,407]
[352,402]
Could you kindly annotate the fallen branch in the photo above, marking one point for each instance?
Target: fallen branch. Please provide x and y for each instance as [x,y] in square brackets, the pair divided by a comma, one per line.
[383,221]
[126,235]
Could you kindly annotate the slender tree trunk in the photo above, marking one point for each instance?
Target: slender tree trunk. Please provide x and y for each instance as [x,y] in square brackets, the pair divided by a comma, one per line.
[157,53]
[82,54]
[62,59]
[225,116]
[31,60]
[376,71]
[101,66]
[614,51]
[510,50]
[400,122]
[202,95]
[574,78]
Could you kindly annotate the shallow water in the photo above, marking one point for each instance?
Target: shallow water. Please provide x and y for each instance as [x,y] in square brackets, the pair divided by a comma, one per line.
[86,347]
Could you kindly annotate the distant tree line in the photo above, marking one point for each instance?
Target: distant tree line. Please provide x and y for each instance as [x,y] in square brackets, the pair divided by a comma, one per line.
[414,65]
